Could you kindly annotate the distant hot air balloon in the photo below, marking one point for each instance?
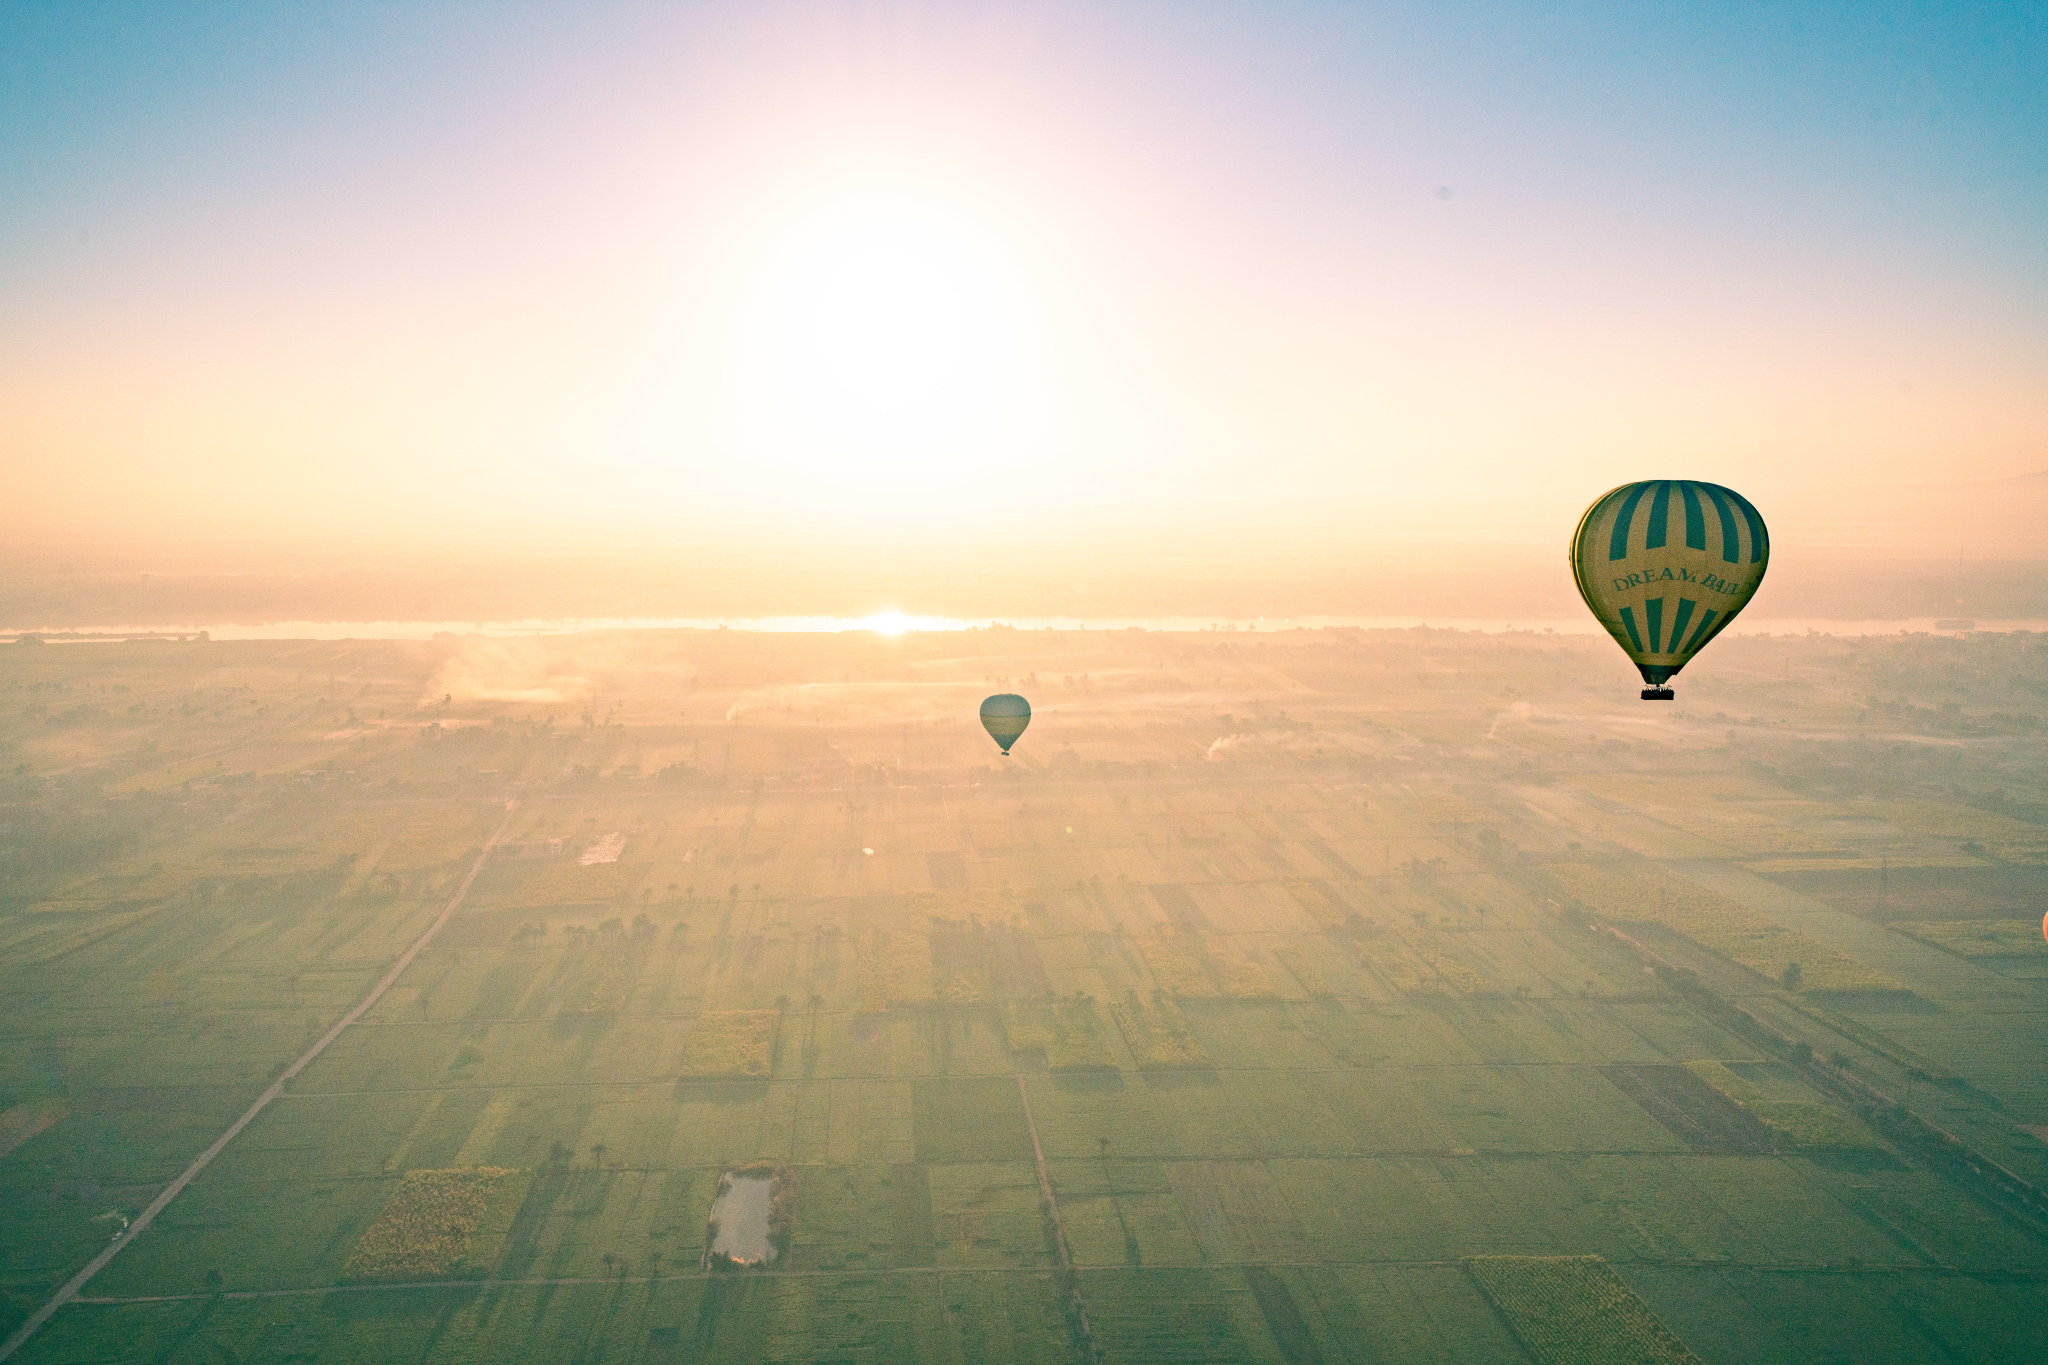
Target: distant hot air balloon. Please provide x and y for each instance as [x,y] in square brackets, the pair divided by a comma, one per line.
[1665,564]
[1004,716]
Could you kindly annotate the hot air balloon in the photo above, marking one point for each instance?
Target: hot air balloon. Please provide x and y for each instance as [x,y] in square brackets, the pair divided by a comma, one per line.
[1004,716]
[1665,564]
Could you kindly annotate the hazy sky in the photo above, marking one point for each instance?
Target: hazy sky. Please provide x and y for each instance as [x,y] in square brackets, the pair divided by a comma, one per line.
[907,271]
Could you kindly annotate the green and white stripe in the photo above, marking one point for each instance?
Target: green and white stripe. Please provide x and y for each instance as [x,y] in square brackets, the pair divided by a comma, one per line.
[1665,564]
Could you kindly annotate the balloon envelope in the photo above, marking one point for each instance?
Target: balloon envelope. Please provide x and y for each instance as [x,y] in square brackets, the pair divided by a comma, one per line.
[1004,716]
[1665,564]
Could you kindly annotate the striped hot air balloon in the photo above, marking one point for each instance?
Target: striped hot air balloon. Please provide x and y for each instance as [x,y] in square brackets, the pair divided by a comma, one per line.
[1665,565]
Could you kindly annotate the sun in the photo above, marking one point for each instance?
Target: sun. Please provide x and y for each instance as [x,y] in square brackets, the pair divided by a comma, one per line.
[889,337]
[888,623]
[892,317]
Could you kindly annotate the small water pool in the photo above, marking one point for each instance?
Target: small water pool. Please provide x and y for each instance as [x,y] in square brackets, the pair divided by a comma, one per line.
[740,1214]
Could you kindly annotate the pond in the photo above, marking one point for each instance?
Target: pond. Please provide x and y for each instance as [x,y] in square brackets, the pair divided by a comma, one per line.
[740,1214]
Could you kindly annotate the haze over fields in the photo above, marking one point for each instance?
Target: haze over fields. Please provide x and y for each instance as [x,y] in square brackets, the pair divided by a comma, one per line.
[509,516]
[1287,997]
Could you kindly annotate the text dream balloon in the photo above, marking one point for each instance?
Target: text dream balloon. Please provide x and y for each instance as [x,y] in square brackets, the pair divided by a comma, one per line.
[1665,564]
[1004,716]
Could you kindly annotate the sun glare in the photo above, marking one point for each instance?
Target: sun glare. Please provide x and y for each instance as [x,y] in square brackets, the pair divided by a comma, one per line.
[889,623]
[890,339]
[890,318]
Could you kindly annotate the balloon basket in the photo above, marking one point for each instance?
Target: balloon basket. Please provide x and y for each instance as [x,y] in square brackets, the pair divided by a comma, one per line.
[1657,694]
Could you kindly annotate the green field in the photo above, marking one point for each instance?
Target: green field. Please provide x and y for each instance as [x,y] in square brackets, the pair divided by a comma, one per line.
[1417,1029]
[1574,1310]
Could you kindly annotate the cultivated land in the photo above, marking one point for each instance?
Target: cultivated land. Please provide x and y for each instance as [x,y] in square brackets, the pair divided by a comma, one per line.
[1357,996]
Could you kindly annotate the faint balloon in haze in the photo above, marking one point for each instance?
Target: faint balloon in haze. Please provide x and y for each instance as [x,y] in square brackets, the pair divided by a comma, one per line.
[1004,716]
[1665,564]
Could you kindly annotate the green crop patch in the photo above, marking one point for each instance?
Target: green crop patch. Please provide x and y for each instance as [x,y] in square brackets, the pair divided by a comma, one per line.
[1798,1123]
[1389,958]
[1177,969]
[1979,937]
[598,973]
[862,1218]
[1157,1035]
[1315,982]
[1448,974]
[969,1119]
[1322,903]
[1173,1315]
[1703,1115]
[1719,925]
[1067,1030]
[896,970]
[440,1225]
[988,1214]
[731,1043]
[1574,1310]
[1195,967]
[29,1118]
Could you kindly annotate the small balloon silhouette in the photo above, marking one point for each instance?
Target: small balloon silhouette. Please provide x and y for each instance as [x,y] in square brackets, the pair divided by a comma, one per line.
[1004,716]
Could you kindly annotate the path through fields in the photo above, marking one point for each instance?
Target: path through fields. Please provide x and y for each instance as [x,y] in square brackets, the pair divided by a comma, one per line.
[205,1158]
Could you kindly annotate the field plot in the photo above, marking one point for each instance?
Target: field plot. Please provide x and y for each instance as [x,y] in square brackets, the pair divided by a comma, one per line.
[1124,1213]
[1746,818]
[1178,1315]
[1796,1120]
[987,1215]
[1068,1033]
[1427,1314]
[732,1043]
[1719,925]
[1573,1309]
[1323,1059]
[1980,937]
[1706,1116]
[311,1227]
[1779,1319]
[1975,830]
[439,1224]
[1157,1035]
[734,1320]
[30,1117]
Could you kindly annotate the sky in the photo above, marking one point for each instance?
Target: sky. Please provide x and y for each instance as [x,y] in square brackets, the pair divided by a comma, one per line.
[872,276]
